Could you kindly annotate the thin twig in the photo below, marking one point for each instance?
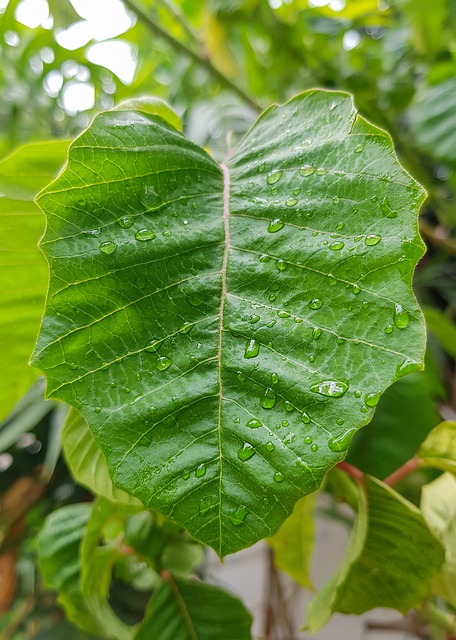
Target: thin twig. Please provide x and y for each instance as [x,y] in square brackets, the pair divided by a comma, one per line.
[179,46]
[353,472]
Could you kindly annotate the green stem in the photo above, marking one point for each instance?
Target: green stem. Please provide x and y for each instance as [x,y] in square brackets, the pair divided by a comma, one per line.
[434,616]
[343,487]
[180,47]
[179,16]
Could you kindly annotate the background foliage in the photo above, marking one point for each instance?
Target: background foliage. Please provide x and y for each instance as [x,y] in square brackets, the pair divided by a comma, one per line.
[217,63]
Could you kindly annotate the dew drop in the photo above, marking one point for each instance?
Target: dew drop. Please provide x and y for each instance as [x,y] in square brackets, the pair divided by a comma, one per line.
[288,406]
[108,248]
[316,333]
[337,246]
[253,423]
[290,202]
[400,317]
[238,517]
[321,171]
[283,314]
[372,240]
[281,265]
[289,438]
[94,233]
[261,167]
[330,388]
[275,378]
[285,423]
[252,349]
[271,324]
[386,209]
[336,199]
[314,447]
[406,367]
[97,409]
[264,258]
[274,176]
[305,417]
[186,475]
[340,443]
[272,297]
[125,222]
[254,318]
[246,452]
[144,234]
[186,327]
[358,148]
[275,225]
[308,440]
[311,358]
[306,170]
[371,399]
[240,376]
[200,470]
[269,446]
[389,328]
[356,289]
[268,400]
[204,506]
[357,394]
[278,477]
[163,363]
[316,303]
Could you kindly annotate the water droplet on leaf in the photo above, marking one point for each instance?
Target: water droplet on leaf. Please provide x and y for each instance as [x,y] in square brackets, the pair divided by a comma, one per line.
[163,363]
[144,234]
[246,452]
[108,248]
[268,400]
[330,388]
[274,176]
[252,349]
[275,225]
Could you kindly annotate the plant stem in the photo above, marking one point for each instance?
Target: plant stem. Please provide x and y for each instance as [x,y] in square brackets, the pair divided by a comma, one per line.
[352,471]
[180,47]
[179,16]
[344,487]
[411,465]
[434,616]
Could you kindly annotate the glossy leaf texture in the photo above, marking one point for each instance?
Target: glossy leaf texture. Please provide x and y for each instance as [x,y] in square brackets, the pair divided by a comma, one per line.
[391,559]
[23,272]
[184,610]
[225,330]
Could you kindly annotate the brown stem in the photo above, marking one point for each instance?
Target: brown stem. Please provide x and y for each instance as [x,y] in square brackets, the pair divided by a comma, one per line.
[408,467]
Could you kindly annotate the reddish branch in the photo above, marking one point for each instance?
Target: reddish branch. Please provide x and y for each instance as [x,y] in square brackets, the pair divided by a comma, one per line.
[411,465]
[353,472]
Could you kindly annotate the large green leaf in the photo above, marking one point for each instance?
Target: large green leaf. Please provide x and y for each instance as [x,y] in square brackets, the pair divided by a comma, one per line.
[391,560]
[181,610]
[59,542]
[225,330]
[23,271]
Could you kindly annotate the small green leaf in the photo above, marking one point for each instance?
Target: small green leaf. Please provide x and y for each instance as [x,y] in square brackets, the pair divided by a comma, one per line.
[194,611]
[23,269]
[377,572]
[159,260]
[439,448]
[58,546]
[86,461]
[433,120]
[293,542]
[438,504]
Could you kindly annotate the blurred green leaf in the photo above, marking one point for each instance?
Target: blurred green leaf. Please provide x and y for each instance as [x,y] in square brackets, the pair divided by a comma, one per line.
[439,448]
[404,416]
[86,461]
[438,504]
[443,329]
[23,269]
[293,543]
[194,611]
[390,562]
[58,546]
